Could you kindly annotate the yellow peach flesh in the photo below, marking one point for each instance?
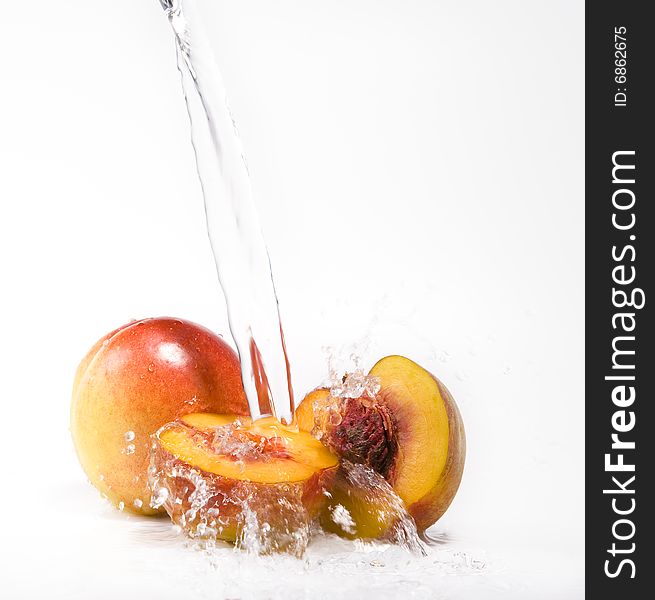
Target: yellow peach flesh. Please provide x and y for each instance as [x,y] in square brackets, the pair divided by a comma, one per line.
[303,455]
[417,466]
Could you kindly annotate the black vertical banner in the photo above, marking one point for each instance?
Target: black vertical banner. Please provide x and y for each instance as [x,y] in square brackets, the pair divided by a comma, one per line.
[620,296]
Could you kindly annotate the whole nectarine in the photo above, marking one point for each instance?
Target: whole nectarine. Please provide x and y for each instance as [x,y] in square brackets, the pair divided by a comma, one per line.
[133,381]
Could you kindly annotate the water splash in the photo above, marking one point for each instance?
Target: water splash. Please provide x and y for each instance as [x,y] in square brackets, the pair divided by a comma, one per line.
[240,254]
[275,517]
[354,385]
[358,486]
[258,519]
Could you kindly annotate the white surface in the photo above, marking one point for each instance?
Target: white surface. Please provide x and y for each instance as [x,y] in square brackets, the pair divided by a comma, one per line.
[419,171]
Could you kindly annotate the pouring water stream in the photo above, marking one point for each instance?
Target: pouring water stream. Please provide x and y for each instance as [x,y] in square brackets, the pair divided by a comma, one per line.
[245,275]
[235,234]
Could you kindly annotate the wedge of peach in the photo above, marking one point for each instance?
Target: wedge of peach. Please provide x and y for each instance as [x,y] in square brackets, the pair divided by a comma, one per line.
[229,478]
[134,380]
[406,428]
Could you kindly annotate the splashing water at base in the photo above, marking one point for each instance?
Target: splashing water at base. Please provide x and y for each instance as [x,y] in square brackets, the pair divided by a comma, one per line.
[259,519]
[236,238]
[353,501]
[361,503]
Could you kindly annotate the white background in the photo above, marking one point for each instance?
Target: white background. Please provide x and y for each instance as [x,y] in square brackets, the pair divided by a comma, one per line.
[418,168]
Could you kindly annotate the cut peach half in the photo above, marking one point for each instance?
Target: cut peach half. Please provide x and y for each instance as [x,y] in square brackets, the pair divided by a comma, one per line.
[214,474]
[409,431]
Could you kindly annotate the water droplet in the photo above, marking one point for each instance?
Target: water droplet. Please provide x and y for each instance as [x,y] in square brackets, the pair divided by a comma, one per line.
[138,503]
[341,517]
[121,506]
[130,449]
[160,497]
[151,367]
[129,436]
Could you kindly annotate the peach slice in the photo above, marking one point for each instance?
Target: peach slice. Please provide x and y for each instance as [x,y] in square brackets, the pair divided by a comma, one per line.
[227,477]
[409,430]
